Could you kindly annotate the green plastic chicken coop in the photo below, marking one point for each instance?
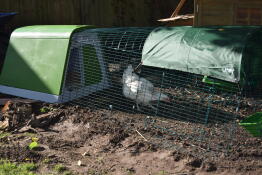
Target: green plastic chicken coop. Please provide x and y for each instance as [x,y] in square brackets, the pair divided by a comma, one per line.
[38,59]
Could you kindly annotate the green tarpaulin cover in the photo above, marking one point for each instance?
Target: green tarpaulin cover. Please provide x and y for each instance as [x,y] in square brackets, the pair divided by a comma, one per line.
[230,53]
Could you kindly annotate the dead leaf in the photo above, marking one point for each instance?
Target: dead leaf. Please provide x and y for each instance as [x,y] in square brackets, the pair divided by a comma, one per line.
[4,124]
[6,106]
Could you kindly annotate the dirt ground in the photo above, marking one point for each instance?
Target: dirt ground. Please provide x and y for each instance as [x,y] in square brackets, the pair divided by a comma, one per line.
[96,142]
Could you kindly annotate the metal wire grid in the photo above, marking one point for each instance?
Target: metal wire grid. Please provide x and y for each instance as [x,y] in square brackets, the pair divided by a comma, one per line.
[114,48]
[98,58]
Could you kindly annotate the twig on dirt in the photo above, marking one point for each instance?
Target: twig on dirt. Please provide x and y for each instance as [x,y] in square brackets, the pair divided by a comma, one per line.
[194,146]
[141,135]
[90,161]
[163,121]
[199,147]
[27,129]
[112,167]
[44,116]
[187,91]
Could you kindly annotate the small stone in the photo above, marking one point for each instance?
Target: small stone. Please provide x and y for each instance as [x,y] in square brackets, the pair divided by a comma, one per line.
[79,163]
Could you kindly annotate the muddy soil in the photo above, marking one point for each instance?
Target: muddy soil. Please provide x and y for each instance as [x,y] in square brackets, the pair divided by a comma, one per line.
[90,141]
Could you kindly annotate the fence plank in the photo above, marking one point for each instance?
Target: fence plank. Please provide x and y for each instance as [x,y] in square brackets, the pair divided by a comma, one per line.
[96,12]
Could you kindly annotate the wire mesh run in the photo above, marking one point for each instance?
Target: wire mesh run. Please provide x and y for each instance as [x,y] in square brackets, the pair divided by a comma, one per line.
[103,72]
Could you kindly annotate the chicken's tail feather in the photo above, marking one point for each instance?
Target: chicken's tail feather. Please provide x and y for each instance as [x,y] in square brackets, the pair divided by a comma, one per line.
[160,96]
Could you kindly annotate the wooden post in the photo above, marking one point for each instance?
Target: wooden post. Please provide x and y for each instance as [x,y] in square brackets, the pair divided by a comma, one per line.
[196,15]
[180,5]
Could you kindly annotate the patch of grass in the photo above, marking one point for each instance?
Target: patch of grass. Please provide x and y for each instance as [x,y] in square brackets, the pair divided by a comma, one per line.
[46,161]
[60,168]
[97,172]
[163,172]
[4,134]
[44,110]
[8,168]
[67,173]
[29,166]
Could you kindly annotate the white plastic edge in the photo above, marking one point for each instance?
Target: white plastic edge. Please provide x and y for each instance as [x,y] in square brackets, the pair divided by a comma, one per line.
[49,98]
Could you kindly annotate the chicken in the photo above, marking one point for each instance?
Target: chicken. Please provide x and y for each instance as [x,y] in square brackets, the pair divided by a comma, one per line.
[140,89]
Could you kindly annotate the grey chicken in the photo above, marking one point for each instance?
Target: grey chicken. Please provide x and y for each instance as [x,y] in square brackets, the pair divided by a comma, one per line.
[140,89]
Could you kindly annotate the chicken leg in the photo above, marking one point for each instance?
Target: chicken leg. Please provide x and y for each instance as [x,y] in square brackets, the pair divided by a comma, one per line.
[137,107]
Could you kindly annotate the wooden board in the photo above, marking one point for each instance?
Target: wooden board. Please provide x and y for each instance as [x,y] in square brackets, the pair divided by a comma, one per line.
[228,12]
[179,7]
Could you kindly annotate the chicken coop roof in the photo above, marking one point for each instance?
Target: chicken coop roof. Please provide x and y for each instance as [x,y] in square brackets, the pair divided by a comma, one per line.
[35,61]
[230,53]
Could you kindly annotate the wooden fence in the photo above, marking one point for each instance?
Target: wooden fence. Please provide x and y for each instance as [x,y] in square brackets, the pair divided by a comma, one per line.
[228,12]
[95,12]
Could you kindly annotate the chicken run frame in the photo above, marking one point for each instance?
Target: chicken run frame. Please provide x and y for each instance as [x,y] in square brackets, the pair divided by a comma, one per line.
[196,75]
[131,86]
[113,58]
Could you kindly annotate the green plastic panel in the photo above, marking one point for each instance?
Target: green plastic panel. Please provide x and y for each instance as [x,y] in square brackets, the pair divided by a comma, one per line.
[47,31]
[93,74]
[36,58]
[253,124]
